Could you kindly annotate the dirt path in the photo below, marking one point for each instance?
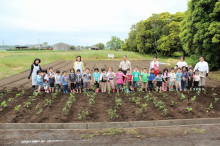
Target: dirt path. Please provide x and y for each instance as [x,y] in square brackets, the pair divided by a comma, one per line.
[160,136]
[21,81]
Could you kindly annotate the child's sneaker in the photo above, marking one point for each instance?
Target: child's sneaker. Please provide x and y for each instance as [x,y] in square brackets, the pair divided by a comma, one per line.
[38,90]
[113,90]
[71,91]
[184,90]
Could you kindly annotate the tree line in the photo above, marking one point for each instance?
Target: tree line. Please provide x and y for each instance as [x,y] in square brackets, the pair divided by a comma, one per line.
[192,33]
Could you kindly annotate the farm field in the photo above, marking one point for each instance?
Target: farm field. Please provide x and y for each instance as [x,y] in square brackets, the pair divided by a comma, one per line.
[21,106]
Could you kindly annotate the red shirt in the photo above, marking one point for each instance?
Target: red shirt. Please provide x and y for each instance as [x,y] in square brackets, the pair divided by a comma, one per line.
[128,78]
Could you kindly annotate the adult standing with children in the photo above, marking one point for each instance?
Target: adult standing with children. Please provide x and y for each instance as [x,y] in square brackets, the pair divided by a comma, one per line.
[125,65]
[78,64]
[182,62]
[34,68]
[155,64]
[203,68]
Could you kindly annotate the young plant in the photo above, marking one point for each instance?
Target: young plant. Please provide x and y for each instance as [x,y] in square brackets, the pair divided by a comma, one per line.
[205,91]
[143,107]
[138,101]
[27,104]
[18,94]
[1,95]
[182,96]
[72,97]
[3,105]
[118,102]
[198,92]
[54,95]
[17,107]
[214,94]
[10,99]
[91,101]
[48,102]
[164,111]
[113,113]
[37,106]
[172,103]
[40,111]
[22,91]
[83,115]
[209,108]
[189,109]
[9,91]
[194,98]
[216,99]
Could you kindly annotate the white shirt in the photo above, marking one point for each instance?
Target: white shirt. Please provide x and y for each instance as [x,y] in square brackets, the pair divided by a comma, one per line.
[180,64]
[124,65]
[202,66]
[157,63]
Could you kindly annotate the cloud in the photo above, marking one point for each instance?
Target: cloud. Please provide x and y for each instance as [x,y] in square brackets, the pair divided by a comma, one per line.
[85,17]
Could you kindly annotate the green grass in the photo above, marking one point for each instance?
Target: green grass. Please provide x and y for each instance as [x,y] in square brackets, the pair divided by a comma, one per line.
[13,62]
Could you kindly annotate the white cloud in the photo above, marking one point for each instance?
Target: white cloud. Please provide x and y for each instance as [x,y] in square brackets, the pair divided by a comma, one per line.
[75,16]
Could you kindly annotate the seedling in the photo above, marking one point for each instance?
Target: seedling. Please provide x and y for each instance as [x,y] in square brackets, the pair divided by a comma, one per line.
[1,95]
[213,89]
[40,111]
[214,94]
[194,98]
[118,102]
[18,94]
[144,107]
[209,108]
[17,107]
[91,101]
[182,96]
[35,93]
[66,109]
[113,113]
[83,115]
[9,91]
[172,103]
[3,104]
[72,97]
[205,91]
[189,109]
[22,91]
[10,99]
[216,99]
[164,111]
[48,102]
[198,92]
[138,101]
[27,104]
[37,106]
[54,95]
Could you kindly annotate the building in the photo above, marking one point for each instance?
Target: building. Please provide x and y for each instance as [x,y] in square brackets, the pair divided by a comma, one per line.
[61,46]
[94,48]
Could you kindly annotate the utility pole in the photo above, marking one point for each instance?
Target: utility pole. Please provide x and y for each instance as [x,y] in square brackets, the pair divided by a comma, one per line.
[39,44]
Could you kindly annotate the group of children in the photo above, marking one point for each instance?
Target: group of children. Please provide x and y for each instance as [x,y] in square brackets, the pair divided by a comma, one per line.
[105,80]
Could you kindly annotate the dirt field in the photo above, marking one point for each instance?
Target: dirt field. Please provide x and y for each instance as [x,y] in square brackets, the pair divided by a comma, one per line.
[46,108]
[21,81]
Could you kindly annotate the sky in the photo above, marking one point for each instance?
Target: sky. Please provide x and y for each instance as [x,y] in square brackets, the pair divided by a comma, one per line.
[81,22]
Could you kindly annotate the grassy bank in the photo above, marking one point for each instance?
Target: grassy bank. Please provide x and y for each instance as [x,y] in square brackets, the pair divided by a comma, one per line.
[13,62]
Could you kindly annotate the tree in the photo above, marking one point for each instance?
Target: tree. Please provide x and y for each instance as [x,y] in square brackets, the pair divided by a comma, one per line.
[72,48]
[101,46]
[115,43]
[200,32]
[158,34]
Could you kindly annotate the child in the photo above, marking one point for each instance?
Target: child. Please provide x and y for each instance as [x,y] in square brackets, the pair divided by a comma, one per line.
[196,79]
[185,76]
[151,79]
[128,79]
[119,76]
[110,82]
[190,79]
[72,78]
[45,80]
[96,77]
[166,76]
[39,80]
[136,76]
[103,80]
[57,80]
[87,80]
[78,81]
[51,76]
[144,77]
[172,79]
[178,79]
[159,79]
[64,81]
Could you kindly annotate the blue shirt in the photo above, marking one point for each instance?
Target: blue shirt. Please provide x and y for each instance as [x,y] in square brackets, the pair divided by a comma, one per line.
[179,76]
[64,80]
[151,77]
[185,74]
[39,79]
[96,76]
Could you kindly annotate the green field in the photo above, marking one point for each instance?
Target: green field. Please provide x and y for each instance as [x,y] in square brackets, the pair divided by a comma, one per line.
[13,62]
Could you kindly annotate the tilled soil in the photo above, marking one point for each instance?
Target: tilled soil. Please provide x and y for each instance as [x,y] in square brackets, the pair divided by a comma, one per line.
[136,106]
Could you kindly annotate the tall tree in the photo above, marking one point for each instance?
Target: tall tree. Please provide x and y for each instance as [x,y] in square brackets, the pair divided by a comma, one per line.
[115,43]
[200,32]
[101,46]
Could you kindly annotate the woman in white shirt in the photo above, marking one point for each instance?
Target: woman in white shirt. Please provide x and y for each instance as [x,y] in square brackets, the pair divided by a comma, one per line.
[181,63]
[155,64]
